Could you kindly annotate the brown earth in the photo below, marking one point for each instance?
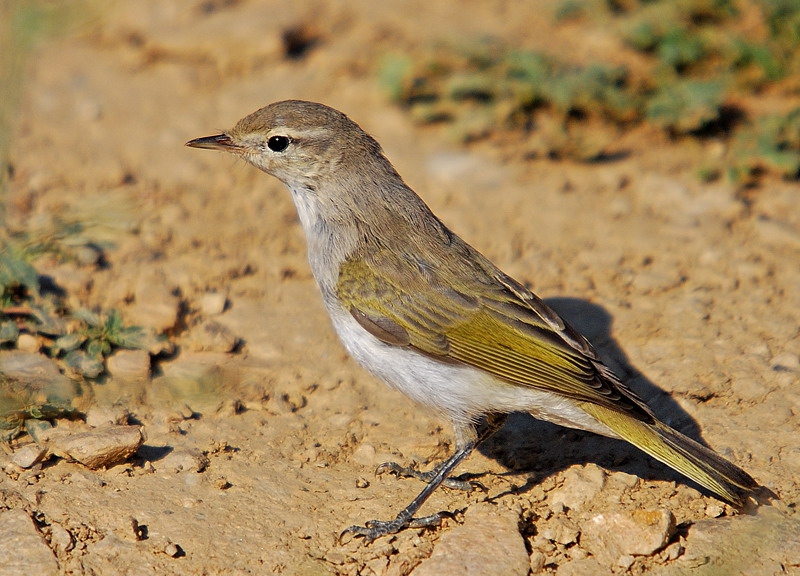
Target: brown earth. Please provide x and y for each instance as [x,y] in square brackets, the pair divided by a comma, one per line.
[255,460]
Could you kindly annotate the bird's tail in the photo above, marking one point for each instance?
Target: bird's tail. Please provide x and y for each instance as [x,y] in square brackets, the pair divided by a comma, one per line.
[683,454]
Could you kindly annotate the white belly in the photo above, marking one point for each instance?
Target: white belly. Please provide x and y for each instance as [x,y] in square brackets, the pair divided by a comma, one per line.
[461,392]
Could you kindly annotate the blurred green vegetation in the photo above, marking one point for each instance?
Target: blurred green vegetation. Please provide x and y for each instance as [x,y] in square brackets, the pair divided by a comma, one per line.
[702,66]
[79,340]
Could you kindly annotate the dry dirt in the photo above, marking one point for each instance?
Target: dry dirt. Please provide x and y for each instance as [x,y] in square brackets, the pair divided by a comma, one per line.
[256,460]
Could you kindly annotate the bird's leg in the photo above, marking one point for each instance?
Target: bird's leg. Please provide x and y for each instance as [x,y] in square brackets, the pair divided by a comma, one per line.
[405,519]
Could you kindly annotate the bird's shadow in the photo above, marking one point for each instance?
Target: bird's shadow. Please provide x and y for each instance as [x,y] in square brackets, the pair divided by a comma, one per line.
[525,444]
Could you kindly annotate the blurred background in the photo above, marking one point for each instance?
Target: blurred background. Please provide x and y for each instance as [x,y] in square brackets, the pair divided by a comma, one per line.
[640,157]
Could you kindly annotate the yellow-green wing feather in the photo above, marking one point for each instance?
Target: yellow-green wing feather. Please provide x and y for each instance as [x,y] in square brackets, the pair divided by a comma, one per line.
[468,311]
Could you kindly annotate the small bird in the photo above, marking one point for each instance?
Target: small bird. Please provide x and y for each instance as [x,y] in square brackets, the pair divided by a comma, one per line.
[431,316]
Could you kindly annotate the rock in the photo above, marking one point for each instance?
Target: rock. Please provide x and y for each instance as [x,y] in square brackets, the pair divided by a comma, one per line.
[211,336]
[765,544]
[184,460]
[98,416]
[488,542]
[36,378]
[610,535]
[23,550]
[196,379]
[28,343]
[365,455]
[156,306]
[102,447]
[28,456]
[537,561]
[60,539]
[129,365]
[581,485]
[212,303]
[562,531]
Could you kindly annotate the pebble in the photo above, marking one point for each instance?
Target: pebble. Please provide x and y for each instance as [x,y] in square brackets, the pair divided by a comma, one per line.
[23,550]
[156,306]
[562,531]
[580,486]
[35,377]
[97,416]
[365,455]
[60,539]
[173,550]
[129,365]
[28,456]
[197,379]
[28,343]
[102,447]
[213,303]
[184,460]
[537,561]
[488,542]
[211,336]
[610,535]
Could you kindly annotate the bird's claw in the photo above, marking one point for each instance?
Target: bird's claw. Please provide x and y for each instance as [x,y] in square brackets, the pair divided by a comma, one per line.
[412,472]
[374,529]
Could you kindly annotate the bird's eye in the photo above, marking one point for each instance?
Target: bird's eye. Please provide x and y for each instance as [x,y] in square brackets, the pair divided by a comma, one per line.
[278,143]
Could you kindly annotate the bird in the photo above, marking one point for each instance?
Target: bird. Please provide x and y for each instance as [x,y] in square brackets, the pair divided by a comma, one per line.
[432,317]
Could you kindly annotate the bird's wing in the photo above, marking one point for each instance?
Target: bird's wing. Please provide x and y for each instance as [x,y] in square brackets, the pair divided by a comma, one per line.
[468,311]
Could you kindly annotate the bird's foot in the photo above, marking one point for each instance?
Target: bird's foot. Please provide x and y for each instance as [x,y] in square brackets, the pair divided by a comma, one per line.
[412,472]
[374,529]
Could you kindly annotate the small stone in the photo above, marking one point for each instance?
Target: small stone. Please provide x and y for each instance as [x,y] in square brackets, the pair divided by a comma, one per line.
[184,460]
[537,561]
[34,379]
[362,482]
[28,455]
[173,550]
[336,557]
[23,550]
[785,361]
[102,447]
[98,416]
[212,336]
[626,561]
[195,381]
[28,343]
[488,542]
[377,565]
[212,303]
[671,552]
[580,485]
[714,510]
[562,531]
[637,533]
[155,306]
[129,365]
[60,539]
[364,455]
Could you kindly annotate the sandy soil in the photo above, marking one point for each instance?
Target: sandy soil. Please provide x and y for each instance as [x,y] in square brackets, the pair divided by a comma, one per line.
[255,460]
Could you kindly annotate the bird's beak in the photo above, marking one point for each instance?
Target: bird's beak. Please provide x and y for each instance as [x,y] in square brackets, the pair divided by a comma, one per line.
[219,142]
